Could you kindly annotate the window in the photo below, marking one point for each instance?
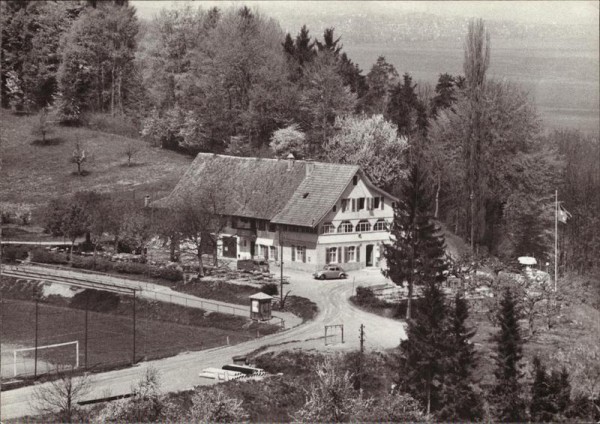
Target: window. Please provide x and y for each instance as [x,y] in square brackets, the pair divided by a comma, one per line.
[273,250]
[353,205]
[376,202]
[355,180]
[261,225]
[331,255]
[380,225]
[272,227]
[393,204]
[361,203]
[344,204]
[363,226]
[350,254]
[345,227]
[381,201]
[265,252]
[300,253]
[327,228]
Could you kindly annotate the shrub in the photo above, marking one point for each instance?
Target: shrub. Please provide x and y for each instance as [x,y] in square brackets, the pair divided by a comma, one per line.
[170,274]
[97,264]
[130,268]
[270,288]
[95,300]
[13,254]
[45,257]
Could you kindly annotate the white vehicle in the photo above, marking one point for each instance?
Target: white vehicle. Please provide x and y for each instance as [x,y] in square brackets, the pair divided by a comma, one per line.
[220,374]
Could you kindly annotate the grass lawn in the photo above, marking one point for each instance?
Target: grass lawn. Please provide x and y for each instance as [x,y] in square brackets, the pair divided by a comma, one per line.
[32,173]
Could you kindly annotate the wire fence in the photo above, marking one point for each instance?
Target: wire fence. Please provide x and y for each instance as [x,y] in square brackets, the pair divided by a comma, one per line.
[105,339]
[109,282]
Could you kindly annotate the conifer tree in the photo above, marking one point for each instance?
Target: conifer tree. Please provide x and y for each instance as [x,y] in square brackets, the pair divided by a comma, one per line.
[425,351]
[417,252]
[541,408]
[459,400]
[507,394]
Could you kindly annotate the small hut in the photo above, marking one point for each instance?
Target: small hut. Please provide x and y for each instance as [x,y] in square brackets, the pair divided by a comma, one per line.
[260,308]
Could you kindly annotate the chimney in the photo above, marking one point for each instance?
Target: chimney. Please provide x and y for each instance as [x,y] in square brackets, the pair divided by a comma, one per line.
[310,167]
[290,159]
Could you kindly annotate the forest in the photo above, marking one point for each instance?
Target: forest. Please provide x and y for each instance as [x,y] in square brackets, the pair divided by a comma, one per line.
[231,81]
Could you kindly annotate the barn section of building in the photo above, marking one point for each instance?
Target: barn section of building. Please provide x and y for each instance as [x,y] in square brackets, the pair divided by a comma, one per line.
[309,213]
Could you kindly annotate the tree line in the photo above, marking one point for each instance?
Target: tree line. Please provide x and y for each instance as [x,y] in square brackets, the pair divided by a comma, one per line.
[230,80]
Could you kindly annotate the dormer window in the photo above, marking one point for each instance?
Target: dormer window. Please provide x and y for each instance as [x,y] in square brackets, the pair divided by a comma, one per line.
[345,227]
[380,225]
[355,180]
[305,195]
[327,228]
[363,226]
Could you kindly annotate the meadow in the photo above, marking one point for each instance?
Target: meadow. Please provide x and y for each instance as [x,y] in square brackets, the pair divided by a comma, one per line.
[561,76]
[34,173]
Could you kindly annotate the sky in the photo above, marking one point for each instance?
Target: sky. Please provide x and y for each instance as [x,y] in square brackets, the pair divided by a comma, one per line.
[566,12]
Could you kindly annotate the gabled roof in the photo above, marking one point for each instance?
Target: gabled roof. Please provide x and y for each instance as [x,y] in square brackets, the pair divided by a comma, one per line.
[255,187]
[317,194]
[290,192]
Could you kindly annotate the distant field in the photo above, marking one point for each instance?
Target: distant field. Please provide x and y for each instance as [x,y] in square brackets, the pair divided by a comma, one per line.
[562,76]
[34,174]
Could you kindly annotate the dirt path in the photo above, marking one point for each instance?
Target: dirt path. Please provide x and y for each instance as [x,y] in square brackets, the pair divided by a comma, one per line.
[181,372]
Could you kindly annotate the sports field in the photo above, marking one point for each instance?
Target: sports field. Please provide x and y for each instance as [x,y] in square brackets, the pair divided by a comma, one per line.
[110,337]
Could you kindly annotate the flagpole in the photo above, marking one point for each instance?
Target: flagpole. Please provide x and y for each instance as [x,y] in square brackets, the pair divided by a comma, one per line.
[556,240]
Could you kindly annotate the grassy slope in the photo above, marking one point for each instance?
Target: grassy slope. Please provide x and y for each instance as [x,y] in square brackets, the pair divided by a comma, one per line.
[33,173]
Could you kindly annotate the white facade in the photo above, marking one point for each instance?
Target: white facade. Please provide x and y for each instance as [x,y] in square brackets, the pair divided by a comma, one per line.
[350,234]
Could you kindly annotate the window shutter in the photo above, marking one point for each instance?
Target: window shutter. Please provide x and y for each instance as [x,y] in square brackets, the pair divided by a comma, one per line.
[381,202]
[358,254]
[293,253]
[353,205]
[339,255]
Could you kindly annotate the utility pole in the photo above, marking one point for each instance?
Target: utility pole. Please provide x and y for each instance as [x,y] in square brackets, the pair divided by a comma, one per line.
[87,304]
[361,337]
[133,363]
[35,350]
[281,270]
[556,240]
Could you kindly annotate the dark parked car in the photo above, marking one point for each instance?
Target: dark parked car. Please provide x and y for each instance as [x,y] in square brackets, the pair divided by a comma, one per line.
[330,271]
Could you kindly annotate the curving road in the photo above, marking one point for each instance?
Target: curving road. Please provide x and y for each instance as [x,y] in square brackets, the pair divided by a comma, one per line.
[181,372]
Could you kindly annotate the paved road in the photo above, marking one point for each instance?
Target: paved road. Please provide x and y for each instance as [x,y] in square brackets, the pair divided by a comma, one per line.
[181,372]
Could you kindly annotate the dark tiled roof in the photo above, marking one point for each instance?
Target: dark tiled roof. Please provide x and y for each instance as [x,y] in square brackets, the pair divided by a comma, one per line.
[317,194]
[281,191]
[254,187]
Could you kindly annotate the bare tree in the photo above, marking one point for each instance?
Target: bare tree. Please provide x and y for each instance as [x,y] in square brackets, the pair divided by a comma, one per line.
[131,149]
[78,157]
[61,395]
[42,128]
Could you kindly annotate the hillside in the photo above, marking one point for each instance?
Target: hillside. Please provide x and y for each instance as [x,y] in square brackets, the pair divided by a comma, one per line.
[33,173]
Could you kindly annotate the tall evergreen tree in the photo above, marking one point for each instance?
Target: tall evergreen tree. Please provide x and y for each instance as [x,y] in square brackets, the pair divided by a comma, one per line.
[425,351]
[305,47]
[445,93]
[507,394]
[405,109]
[416,254]
[459,399]
[542,407]
[329,43]
[380,80]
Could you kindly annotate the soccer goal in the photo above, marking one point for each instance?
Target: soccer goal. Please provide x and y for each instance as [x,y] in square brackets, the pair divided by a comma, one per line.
[19,355]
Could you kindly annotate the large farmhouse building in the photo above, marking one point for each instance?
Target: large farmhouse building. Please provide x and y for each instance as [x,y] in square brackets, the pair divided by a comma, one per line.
[307,213]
